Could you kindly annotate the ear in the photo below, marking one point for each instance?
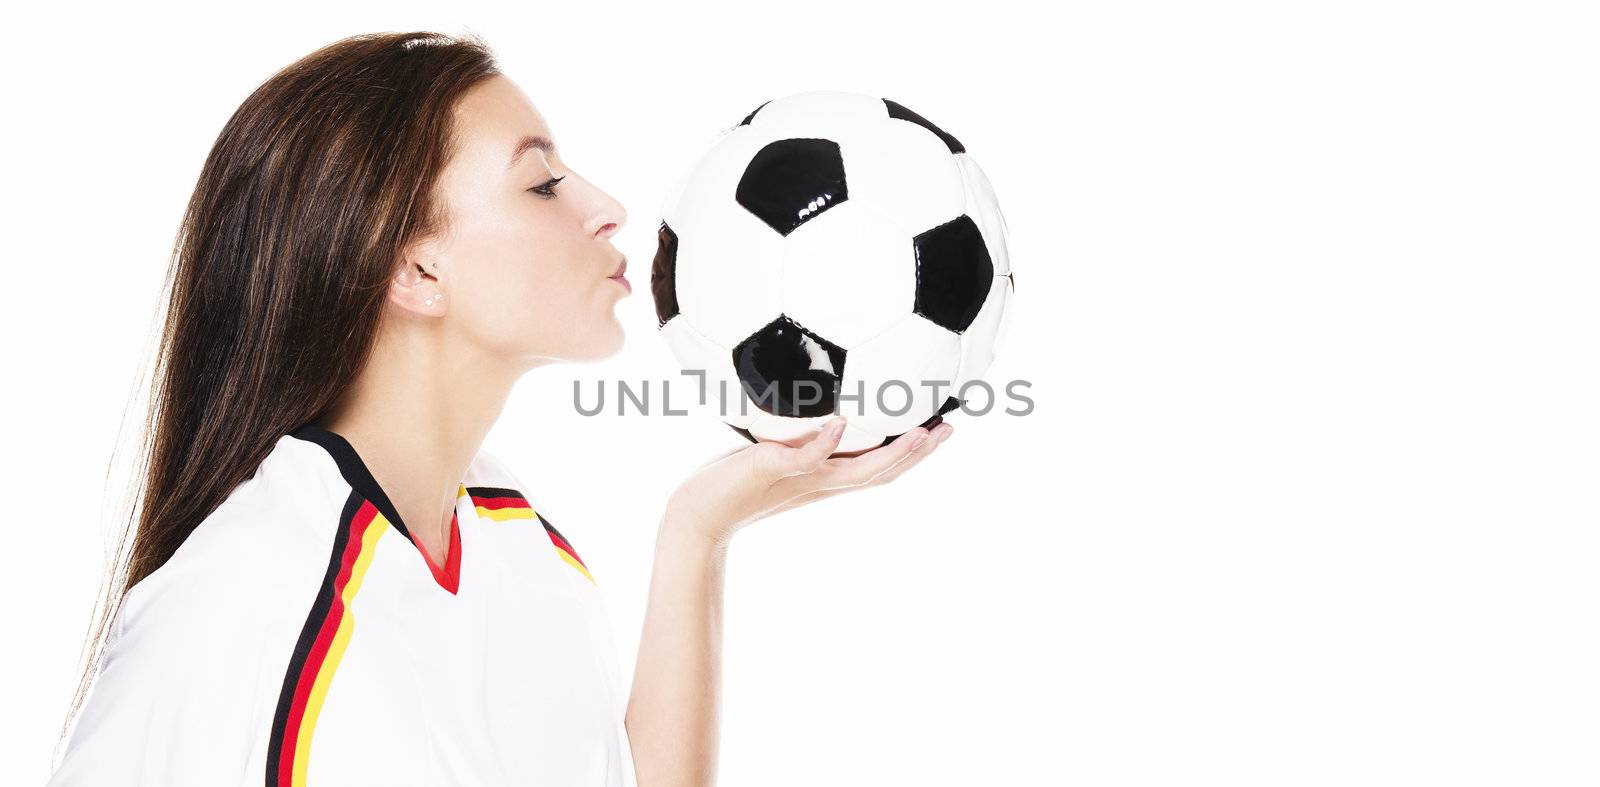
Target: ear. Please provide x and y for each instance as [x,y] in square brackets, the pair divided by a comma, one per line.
[417,286]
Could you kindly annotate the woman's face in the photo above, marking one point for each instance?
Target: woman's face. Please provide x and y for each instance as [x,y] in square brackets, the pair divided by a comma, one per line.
[524,264]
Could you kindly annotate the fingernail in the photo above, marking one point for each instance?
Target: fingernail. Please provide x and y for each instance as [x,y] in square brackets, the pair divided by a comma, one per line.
[943,431]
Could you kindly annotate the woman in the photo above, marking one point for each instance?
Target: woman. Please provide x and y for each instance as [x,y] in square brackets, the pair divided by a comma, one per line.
[329,582]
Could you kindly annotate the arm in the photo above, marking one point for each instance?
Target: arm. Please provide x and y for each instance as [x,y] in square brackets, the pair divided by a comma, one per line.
[673,710]
[672,716]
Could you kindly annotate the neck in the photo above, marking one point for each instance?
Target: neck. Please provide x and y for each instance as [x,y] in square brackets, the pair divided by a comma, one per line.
[417,414]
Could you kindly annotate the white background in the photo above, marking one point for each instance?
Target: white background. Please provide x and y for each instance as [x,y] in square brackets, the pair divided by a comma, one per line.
[1308,297]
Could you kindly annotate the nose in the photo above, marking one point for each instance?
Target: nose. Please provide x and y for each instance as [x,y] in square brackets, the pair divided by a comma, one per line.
[609,216]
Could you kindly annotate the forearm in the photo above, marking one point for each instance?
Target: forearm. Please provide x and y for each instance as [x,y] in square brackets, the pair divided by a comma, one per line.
[672,715]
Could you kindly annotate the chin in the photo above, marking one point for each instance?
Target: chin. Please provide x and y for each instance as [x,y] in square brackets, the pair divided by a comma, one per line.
[615,337]
[602,342]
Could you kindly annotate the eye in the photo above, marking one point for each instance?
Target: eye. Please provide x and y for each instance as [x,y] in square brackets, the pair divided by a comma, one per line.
[547,188]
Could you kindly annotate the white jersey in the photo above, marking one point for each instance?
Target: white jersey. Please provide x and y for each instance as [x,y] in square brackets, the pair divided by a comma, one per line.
[299,637]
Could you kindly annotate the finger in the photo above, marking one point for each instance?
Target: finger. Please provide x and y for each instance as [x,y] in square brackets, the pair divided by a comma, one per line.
[938,436]
[807,458]
[783,461]
[857,470]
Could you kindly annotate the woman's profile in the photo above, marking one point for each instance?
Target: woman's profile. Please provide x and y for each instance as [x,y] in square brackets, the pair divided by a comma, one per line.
[327,580]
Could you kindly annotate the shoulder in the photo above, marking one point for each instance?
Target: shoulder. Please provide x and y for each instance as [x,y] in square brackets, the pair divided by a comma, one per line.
[266,546]
[197,649]
[251,567]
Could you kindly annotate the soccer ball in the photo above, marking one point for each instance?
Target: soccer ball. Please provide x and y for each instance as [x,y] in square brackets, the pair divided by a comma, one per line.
[832,253]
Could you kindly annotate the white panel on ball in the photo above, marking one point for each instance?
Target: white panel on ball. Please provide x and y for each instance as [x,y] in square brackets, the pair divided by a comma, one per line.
[906,172]
[728,272]
[694,351]
[709,184]
[978,346]
[848,274]
[895,363]
[767,426]
[984,209]
[824,114]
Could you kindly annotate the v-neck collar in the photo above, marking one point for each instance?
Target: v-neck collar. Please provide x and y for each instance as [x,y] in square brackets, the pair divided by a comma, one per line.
[355,472]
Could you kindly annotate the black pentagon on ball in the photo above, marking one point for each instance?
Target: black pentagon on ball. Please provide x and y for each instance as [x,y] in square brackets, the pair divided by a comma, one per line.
[664,275]
[792,181]
[899,112]
[789,371]
[954,273]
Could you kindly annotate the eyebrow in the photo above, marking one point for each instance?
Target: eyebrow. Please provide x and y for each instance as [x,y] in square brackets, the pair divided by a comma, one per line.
[528,143]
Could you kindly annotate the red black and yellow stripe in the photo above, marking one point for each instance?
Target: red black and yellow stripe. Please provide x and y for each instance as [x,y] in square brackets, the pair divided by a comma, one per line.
[322,643]
[501,505]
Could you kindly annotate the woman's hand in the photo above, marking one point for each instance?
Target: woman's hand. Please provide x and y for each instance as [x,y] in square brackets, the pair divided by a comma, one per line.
[768,477]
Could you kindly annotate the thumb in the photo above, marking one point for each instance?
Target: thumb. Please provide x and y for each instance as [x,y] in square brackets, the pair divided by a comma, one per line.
[808,457]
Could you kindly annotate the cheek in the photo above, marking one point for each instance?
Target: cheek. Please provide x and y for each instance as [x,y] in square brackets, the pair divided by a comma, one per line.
[502,253]
[523,290]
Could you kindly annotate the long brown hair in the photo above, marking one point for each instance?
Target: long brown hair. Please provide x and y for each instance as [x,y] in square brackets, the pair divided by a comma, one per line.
[309,196]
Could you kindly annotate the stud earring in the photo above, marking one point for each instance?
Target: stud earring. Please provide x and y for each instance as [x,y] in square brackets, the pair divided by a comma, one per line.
[436,297]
